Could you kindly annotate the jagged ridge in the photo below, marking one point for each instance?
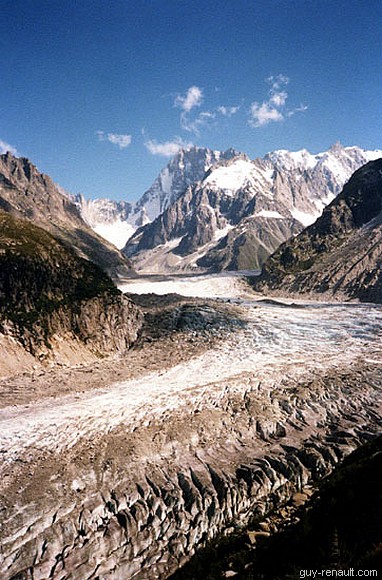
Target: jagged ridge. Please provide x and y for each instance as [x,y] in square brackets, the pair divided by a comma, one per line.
[26,193]
[242,210]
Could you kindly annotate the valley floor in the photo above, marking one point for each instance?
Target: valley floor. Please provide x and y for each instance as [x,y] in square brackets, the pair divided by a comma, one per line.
[194,354]
[170,368]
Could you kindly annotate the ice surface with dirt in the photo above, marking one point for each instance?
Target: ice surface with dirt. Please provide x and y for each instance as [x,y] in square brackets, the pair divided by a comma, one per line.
[100,482]
[223,285]
[277,339]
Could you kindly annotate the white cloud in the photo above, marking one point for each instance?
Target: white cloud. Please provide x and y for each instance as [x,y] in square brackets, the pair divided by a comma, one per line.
[190,125]
[228,111]
[168,148]
[192,98]
[273,109]
[264,114]
[278,99]
[300,109]
[190,120]
[121,140]
[193,125]
[4,147]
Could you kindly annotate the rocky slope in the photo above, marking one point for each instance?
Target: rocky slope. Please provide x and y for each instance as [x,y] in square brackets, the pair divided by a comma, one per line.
[27,193]
[53,302]
[341,254]
[242,210]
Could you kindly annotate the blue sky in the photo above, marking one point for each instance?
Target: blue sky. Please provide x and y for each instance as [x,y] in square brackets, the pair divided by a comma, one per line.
[99,93]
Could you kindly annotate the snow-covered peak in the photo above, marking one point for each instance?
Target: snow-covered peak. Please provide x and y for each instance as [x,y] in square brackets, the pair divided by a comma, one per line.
[231,177]
[371,155]
[187,167]
[290,160]
[298,180]
[337,159]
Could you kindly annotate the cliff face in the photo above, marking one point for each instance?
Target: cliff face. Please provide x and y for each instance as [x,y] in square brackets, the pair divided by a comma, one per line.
[48,294]
[340,255]
[26,193]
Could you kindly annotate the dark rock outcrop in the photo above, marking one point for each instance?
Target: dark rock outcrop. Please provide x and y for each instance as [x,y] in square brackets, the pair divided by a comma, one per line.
[26,193]
[341,254]
[47,291]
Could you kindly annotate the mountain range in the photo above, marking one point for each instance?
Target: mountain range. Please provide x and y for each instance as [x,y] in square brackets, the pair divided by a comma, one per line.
[213,211]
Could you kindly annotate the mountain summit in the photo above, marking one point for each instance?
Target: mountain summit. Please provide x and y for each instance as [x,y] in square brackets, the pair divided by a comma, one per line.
[117,221]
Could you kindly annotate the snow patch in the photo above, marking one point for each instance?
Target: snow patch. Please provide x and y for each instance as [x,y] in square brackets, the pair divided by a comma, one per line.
[269,214]
[116,233]
[269,174]
[306,219]
[219,234]
[171,244]
[373,155]
[166,180]
[230,178]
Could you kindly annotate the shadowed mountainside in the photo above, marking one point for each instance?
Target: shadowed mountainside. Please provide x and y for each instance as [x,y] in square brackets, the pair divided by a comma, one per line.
[26,193]
[47,291]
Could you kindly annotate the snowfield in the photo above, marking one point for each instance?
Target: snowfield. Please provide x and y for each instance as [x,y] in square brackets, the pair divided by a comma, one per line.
[225,285]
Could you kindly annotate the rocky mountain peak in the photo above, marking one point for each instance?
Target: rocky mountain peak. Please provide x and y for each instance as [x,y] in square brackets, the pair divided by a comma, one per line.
[187,167]
[337,148]
[241,210]
[22,170]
